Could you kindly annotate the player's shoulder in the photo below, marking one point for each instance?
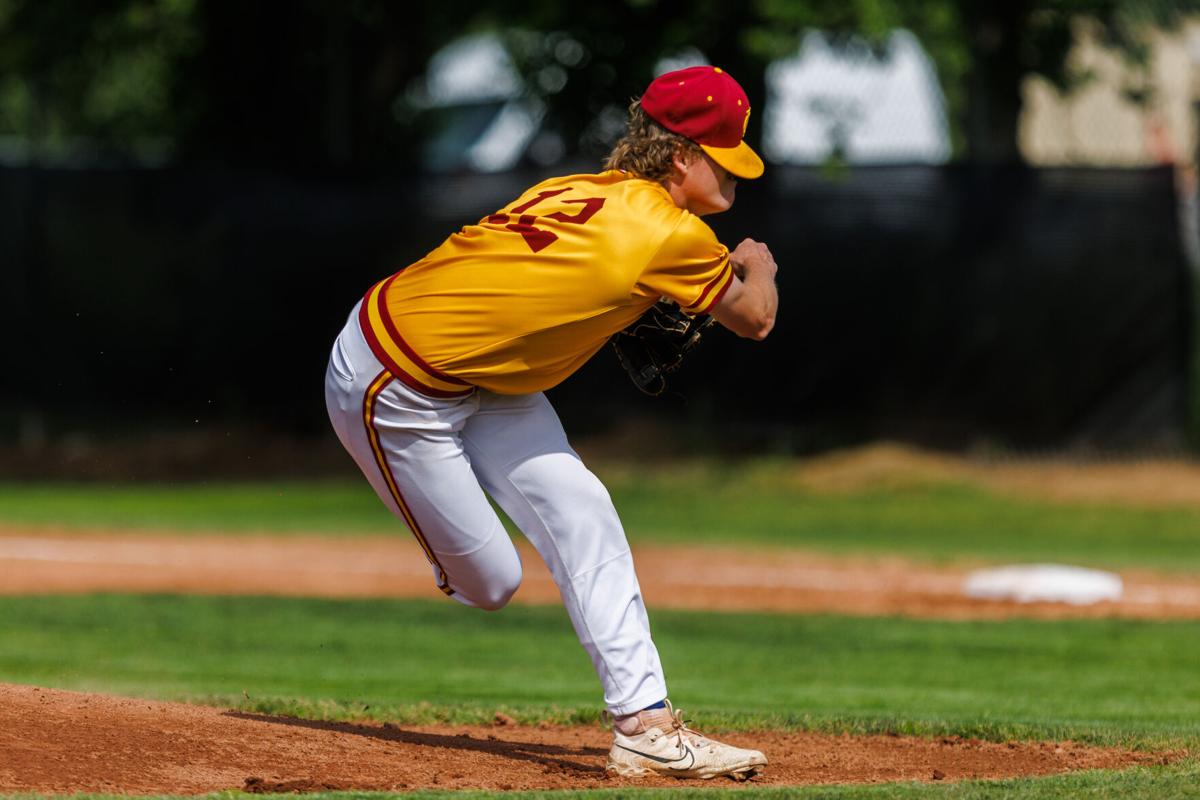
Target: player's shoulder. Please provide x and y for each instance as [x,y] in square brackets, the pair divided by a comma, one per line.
[641,193]
[641,197]
[649,206]
[693,227]
[641,209]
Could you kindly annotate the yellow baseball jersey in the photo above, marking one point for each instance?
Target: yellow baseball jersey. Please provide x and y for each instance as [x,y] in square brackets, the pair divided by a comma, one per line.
[522,299]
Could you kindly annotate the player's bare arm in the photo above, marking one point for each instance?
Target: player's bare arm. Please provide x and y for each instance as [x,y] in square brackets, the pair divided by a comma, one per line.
[748,307]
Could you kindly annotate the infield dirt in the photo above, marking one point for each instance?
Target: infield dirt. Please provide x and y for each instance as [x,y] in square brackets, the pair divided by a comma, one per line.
[64,742]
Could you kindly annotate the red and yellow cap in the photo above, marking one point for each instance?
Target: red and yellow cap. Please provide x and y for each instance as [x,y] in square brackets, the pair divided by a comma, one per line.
[707,106]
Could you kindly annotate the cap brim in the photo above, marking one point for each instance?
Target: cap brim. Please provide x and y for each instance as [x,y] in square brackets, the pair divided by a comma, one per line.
[740,161]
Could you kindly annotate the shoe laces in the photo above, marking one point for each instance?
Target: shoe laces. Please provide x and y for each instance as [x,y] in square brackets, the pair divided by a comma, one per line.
[680,728]
[668,721]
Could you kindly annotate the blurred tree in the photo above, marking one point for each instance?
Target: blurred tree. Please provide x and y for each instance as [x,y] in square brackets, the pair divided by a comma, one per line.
[304,84]
[589,61]
[311,84]
[315,84]
[100,69]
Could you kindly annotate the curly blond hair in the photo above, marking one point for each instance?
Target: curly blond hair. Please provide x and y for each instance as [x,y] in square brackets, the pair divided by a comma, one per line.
[647,148]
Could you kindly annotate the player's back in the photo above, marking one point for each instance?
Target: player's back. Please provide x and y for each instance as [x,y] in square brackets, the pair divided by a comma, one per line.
[520,300]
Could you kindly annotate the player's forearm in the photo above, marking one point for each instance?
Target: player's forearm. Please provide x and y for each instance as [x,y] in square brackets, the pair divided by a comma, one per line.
[748,306]
[762,301]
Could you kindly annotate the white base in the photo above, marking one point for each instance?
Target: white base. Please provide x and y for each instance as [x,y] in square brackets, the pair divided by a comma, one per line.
[1043,583]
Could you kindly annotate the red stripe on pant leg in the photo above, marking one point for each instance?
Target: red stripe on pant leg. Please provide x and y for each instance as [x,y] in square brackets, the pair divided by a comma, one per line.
[378,385]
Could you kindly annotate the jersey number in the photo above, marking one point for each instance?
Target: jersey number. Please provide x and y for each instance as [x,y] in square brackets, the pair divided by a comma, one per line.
[539,239]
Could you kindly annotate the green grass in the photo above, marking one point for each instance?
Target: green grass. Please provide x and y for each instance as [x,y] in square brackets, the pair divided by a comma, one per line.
[748,505]
[319,506]
[1104,681]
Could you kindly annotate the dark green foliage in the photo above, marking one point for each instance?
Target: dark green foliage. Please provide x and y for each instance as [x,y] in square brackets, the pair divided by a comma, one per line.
[316,85]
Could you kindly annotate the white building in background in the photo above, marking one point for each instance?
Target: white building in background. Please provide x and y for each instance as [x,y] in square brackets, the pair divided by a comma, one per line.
[846,101]
[827,100]
[487,120]
[1097,125]
[874,110]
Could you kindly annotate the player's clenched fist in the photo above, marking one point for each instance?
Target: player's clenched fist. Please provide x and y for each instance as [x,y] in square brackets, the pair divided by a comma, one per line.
[753,256]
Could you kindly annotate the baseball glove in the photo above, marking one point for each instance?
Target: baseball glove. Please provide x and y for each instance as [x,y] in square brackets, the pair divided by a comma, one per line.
[655,344]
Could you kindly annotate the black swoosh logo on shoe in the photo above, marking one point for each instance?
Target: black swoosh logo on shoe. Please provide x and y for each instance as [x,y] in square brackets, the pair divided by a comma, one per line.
[668,761]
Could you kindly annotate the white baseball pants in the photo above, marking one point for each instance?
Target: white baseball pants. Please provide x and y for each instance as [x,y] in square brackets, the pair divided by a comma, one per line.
[431,460]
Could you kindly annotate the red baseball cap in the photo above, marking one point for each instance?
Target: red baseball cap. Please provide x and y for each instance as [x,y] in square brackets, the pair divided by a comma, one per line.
[707,106]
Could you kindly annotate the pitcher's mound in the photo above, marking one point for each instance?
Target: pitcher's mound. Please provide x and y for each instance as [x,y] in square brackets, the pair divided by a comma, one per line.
[61,742]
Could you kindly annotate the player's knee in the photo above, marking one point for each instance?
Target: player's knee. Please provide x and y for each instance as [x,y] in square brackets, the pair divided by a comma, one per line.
[496,594]
[491,587]
[487,575]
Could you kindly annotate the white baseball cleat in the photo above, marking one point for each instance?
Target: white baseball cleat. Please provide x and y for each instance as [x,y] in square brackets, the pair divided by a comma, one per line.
[658,742]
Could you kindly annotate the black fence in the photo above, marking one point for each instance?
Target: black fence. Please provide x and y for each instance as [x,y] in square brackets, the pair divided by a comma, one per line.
[1030,308]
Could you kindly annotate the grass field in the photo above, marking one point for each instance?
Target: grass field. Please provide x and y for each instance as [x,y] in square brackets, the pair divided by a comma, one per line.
[938,522]
[1105,681]
[1132,683]
[1108,682]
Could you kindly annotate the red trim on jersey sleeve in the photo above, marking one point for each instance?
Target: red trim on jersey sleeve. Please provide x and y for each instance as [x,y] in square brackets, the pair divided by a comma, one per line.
[724,275]
[717,297]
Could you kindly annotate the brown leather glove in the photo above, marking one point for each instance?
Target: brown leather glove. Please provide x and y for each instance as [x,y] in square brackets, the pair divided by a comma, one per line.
[656,343]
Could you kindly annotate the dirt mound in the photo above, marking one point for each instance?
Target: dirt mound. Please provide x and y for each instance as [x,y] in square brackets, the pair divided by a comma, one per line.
[1138,483]
[38,561]
[61,742]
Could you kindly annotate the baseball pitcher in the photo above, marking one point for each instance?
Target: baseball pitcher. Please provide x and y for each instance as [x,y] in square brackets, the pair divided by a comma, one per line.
[435,385]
